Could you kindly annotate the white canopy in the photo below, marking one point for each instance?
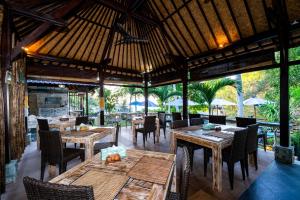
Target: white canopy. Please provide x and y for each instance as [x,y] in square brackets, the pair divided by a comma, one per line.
[255,101]
[222,102]
[178,102]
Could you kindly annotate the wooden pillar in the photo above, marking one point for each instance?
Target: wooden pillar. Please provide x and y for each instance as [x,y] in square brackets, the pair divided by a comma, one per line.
[146,93]
[284,73]
[184,80]
[101,98]
[87,102]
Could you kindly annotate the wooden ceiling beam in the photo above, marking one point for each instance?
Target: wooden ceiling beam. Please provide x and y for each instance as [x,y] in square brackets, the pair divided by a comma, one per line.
[41,30]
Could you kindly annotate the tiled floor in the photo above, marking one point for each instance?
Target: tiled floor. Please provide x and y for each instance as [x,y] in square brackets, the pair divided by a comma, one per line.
[200,186]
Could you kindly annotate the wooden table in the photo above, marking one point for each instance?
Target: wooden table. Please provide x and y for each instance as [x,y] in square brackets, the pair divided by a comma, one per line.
[196,135]
[137,121]
[133,188]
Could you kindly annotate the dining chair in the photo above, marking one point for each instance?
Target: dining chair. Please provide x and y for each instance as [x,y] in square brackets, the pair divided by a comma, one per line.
[149,126]
[217,119]
[184,178]
[53,153]
[196,121]
[181,143]
[43,124]
[102,145]
[246,121]
[231,154]
[192,116]
[82,120]
[162,121]
[36,189]
[251,146]
[176,116]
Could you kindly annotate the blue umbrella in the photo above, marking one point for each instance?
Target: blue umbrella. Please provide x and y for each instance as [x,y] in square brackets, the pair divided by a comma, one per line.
[150,104]
[136,103]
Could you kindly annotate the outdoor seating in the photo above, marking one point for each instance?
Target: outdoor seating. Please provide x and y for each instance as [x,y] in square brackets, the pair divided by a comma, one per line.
[162,122]
[149,126]
[36,189]
[251,146]
[217,119]
[53,153]
[176,116]
[231,154]
[102,145]
[184,178]
[244,122]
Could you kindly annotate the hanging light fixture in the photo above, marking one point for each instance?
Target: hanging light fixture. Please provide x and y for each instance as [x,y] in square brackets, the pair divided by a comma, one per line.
[98,78]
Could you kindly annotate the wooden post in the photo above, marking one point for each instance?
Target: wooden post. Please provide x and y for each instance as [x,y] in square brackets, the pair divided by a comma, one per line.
[101,97]
[284,73]
[184,93]
[146,93]
[87,102]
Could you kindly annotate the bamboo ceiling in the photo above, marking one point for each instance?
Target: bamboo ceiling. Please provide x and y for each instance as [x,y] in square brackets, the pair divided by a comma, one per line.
[196,33]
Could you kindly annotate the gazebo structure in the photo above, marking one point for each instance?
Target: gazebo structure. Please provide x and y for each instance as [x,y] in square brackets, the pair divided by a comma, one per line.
[139,43]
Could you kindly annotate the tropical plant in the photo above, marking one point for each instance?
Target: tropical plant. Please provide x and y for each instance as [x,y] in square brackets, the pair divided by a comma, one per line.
[131,91]
[206,91]
[163,93]
[110,100]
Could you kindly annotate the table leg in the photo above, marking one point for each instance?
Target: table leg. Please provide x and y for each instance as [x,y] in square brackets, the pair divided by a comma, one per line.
[134,139]
[52,171]
[89,149]
[37,138]
[217,169]
[157,132]
[113,133]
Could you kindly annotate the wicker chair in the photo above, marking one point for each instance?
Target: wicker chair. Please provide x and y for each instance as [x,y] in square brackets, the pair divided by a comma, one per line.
[176,116]
[231,154]
[196,121]
[217,119]
[191,116]
[103,145]
[162,122]
[53,153]
[180,143]
[36,189]
[184,178]
[149,126]
[43,124]
[251,146]
[81,120]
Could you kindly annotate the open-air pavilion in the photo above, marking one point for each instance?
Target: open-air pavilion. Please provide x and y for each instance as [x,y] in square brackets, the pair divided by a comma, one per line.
[85,45]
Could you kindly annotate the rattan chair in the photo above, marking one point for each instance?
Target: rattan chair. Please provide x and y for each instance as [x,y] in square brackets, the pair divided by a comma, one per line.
[231,154]
[217,119]
[176,116]
[149,127]
[81,120]
[251,146]
[196,121]
[103,145]
[191,116]
[43,124]
[184,178]
[53,153]
[162,122]
[38,190]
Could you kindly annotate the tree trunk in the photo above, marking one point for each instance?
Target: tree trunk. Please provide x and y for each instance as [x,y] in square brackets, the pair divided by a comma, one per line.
[240,95]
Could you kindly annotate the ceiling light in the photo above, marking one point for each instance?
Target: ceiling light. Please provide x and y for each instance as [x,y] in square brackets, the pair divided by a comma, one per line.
[25,49]
[221,45]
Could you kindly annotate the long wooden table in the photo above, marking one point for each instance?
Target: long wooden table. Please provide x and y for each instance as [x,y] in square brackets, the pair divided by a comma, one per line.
[133,188]
[215,140]
[138,121]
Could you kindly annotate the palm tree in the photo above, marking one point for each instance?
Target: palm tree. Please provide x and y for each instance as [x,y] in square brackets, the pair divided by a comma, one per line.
[207,91]
[163,93]
[132,91]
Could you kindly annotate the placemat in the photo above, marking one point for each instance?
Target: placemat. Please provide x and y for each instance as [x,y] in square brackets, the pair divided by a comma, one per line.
[77,133]
[151,169]
[105,185]
[219,135]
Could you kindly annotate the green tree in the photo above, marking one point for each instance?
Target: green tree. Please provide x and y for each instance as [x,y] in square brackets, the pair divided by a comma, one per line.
[163,93]
[206,91]
[131,91]
[110,100]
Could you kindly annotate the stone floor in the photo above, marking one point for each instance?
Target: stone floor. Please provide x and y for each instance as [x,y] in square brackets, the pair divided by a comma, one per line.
[200,186]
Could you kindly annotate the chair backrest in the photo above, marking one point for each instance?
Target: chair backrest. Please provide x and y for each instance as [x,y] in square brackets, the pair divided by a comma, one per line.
[192,116]
[43,124]
[238,143]
[185,174]
[251,144]
[162,119]
[217,119]
[81,120]
[36,189]
[179,124]
[244,122]
[51,146]
[149,124]
[196,121]
[117,134]
[176,116]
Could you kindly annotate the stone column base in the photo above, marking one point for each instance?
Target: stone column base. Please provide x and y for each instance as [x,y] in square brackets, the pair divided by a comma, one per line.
[284,154]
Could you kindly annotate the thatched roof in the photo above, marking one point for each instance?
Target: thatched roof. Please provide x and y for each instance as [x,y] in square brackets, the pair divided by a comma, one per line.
[161,36]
